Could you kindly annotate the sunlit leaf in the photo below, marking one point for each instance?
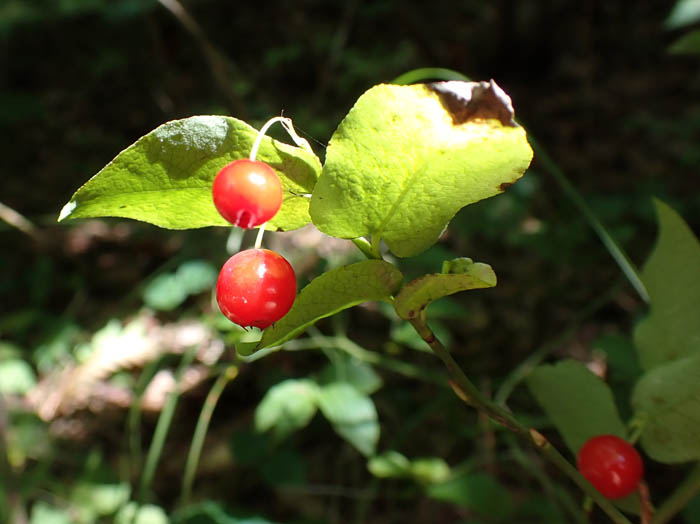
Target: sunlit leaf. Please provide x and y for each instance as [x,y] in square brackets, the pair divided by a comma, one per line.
[406,158]
[165,177]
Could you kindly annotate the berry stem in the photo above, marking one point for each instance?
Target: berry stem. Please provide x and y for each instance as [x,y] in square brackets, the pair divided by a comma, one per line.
[288,127]
[645,503]
[261,232]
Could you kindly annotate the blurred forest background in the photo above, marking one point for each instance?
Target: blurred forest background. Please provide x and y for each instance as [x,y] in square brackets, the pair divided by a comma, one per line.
[80,80]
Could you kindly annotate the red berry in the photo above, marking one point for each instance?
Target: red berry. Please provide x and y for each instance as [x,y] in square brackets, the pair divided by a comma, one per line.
[247,193]
[256,287]
[611,464]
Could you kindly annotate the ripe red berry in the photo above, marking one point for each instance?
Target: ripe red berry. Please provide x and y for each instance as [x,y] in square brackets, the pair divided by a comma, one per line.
[256,287]
[611,464]
[247,192]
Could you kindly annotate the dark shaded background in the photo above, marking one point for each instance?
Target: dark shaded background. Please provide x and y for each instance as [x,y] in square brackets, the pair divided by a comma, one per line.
[592,80]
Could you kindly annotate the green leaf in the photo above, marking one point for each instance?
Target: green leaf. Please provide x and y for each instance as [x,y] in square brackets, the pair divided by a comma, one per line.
[390,464]
[667,400]
[478,492]
[458,275]
[164,292]
[352,415]
[42,513]
[168,290]
[16,377]
[406,158]
[210,512]
[577,402]
[334,291]
[353,371]
[132,513]
[688,44]
[672,277]
[430,470]
[196,276]
[100,499]
[684,12]
[165,177]
[287,407]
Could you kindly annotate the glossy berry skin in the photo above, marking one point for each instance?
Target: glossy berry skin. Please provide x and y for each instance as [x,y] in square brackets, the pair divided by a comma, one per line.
[256,287]
[247,193]
[611,464]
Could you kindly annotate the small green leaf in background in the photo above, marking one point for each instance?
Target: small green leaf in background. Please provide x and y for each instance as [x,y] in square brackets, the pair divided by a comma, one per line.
[672,277]
[287,407]
[42,513]
[578,403]
[169,290]
[352,414]
[132,513]
[459,275]
[478,492]
[353,371]
[16,376]
[667,401]
[390,464]
[210,512]
[333,291]
[99,500]
[430,470]
[406,158]
[688,44]
[165,177]
[684,12]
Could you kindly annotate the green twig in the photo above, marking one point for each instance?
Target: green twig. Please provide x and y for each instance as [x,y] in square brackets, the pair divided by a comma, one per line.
[562,498]
[467,391]
[162,426]
[683,494]
[200,430]
[623,261]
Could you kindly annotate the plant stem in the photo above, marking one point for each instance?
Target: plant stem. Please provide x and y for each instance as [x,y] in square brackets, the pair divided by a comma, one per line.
[467,391]
[683,494]
[259,237]
[200,431]
[615,250]
[162,426]
[366,248]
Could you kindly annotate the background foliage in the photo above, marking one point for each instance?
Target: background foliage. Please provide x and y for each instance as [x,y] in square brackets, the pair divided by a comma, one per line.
[595,83]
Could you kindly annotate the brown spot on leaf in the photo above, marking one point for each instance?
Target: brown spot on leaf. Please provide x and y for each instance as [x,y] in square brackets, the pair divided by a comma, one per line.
[467,101]
[505,185]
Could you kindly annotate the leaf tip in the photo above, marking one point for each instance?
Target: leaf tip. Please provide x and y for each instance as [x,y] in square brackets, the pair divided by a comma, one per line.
[67,210]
